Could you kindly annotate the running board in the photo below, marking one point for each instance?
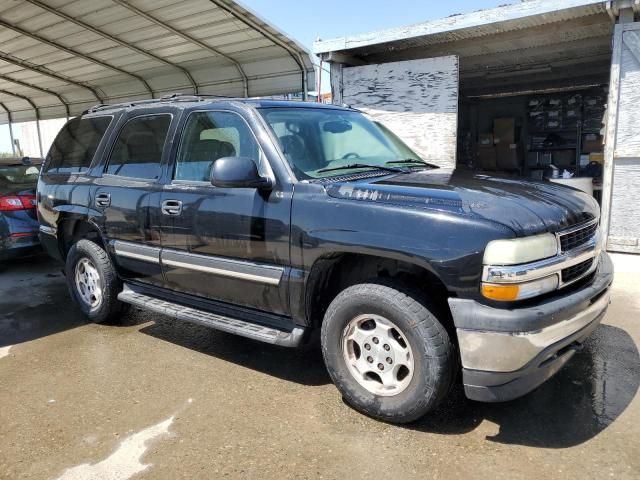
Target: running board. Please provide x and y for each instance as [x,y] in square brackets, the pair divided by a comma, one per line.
[261,333]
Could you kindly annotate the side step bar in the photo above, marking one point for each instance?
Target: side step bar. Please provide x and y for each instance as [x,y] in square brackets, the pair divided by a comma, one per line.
[262,333]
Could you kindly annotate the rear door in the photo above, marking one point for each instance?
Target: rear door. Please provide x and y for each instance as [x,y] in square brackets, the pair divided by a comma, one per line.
[224,244]
[127,195]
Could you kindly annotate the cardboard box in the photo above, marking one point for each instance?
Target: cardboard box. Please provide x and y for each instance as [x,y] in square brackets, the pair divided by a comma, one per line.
[564,158]
[596,157]
[508,157]
[504,131]
[591,142]
[485,139]
[487,158]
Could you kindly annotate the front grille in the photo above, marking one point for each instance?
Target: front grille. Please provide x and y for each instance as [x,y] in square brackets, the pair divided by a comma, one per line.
[571,240]
[576,271]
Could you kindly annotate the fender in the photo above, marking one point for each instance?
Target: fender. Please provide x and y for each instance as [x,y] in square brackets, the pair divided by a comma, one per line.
[447,245]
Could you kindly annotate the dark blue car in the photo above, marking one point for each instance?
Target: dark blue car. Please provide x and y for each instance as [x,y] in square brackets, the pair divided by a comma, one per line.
[18,219]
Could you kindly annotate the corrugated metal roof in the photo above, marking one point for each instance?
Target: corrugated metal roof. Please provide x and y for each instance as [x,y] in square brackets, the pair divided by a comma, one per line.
[59,57]
[527,14]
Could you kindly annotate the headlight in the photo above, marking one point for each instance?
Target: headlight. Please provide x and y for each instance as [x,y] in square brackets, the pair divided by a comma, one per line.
[508,292]
[520,250]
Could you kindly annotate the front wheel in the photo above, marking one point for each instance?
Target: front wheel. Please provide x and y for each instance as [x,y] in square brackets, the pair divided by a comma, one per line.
[386,352]
[93,282]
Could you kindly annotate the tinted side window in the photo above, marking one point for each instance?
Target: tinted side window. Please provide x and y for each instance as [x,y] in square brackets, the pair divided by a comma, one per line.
[74,147]
[138,149]
[209,136]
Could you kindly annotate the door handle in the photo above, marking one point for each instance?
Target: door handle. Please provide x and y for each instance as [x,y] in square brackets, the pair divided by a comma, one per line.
[172,207]
[103,200]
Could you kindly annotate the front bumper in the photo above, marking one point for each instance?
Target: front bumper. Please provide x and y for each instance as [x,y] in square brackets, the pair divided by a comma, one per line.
[506,353]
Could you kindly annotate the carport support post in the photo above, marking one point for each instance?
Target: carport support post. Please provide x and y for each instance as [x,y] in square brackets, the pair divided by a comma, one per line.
[13,144]
[39,134]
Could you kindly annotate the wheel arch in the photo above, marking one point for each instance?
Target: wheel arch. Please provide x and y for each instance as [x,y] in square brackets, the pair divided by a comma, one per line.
[333,272]
[73,227]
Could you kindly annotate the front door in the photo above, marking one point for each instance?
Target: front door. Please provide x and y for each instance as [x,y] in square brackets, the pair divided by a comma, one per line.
[127,194]
[225,244]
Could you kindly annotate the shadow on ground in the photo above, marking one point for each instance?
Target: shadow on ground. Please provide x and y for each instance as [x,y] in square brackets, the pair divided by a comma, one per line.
[302,365]
[582,400]
[34,301]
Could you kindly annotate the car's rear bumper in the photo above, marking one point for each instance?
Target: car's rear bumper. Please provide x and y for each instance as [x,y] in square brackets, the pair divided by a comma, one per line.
[14,247]
[506,353]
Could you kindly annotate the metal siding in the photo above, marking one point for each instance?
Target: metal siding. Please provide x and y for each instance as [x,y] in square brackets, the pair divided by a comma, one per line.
[416,99]
[621,190]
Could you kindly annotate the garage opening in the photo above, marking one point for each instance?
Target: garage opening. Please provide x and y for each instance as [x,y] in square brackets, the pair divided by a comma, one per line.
[537,120]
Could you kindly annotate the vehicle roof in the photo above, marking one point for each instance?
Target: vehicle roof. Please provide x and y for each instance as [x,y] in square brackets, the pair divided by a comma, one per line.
[187,101]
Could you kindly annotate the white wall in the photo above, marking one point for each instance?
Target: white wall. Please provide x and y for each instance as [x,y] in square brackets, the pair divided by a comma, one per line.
[416,99]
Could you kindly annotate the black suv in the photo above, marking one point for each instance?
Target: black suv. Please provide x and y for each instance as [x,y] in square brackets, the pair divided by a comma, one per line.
[274,219]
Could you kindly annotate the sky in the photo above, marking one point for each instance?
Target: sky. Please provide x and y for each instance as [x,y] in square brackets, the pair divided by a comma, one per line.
[305,20]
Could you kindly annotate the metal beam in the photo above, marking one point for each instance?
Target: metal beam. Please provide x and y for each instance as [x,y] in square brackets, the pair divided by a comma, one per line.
[231,9]
[13,145]
[35,108]
[120,42]
[336,57]
[40,89]
[75,53]
[48,73]
[190,39]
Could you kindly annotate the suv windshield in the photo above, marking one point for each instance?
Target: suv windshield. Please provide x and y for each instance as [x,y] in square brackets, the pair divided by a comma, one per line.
[322,142]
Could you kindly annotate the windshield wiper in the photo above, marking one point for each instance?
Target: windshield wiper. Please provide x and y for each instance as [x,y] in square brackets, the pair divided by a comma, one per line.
[361,165]
[413,161]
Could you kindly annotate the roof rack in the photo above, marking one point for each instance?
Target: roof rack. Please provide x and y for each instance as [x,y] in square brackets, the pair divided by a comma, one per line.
[172,97]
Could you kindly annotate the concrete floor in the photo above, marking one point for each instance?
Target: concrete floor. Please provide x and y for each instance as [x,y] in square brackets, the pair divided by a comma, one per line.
[157,399]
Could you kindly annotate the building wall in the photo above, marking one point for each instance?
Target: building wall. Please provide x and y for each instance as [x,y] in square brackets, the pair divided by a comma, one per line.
[622,152]
[416,99]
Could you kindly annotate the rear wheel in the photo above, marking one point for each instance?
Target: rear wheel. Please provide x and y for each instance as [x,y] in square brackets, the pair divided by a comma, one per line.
[93,282]
[386,351]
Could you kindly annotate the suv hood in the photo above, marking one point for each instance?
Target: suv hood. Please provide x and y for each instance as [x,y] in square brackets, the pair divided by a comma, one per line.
[525,206]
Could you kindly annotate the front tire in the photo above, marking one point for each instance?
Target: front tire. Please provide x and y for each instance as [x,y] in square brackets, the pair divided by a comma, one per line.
[386,352]
[93,282]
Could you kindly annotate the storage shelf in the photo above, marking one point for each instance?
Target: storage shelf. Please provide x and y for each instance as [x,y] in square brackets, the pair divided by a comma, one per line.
[553,149]
[554,130]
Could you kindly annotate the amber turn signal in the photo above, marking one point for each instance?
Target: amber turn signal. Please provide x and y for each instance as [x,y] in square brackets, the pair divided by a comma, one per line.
[502,293]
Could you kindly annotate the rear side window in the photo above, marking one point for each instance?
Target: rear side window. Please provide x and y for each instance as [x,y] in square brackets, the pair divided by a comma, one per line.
[76,144]
[138,149]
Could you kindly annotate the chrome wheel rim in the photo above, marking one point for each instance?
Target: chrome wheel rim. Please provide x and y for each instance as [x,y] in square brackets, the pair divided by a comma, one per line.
[88,283]
[378,355]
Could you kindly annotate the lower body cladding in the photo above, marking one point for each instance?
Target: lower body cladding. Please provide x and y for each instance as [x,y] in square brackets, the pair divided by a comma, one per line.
[507,353]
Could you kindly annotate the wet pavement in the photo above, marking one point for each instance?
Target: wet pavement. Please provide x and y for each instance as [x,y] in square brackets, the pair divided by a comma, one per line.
[157,399]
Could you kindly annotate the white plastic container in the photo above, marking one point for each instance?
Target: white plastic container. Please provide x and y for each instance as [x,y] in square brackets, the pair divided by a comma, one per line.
[581,183]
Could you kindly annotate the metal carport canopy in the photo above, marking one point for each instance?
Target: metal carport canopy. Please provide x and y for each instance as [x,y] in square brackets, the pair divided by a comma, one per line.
[59,57]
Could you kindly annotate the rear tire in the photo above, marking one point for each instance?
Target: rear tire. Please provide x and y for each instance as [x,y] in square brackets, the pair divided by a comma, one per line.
[93,282]
[386,352]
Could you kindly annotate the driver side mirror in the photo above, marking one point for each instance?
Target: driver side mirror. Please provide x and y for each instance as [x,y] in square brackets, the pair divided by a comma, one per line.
[238,172]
